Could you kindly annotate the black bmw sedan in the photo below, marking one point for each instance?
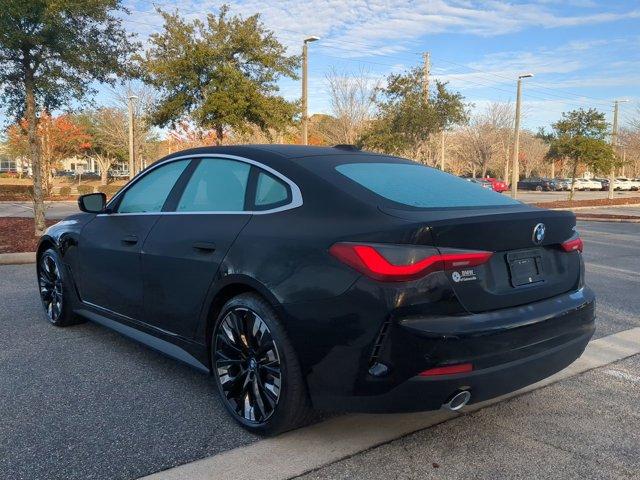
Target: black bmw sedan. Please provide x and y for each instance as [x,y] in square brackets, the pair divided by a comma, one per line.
[307,278]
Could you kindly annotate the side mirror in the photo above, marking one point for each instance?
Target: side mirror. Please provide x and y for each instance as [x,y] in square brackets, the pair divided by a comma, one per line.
[92,202]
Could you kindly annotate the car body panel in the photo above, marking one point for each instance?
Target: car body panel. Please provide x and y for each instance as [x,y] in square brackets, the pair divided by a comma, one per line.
[109,249]
[183,266]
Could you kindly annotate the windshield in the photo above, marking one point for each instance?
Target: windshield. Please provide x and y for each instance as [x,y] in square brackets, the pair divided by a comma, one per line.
[420,186]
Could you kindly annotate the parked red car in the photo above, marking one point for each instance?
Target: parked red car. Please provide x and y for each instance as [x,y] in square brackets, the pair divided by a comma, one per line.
[498,186]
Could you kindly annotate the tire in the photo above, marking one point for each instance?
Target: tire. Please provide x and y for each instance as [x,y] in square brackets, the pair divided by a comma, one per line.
[56,290]
[246,369]
[538,188]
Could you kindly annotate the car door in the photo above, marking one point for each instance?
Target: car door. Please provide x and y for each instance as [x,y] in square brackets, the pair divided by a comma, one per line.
[185,248]
[110,244]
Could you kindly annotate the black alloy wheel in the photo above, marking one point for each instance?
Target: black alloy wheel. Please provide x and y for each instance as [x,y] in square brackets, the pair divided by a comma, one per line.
[247,365]
[51,287]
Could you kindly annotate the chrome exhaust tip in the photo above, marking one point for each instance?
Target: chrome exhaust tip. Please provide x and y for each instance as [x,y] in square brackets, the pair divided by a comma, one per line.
[458,400]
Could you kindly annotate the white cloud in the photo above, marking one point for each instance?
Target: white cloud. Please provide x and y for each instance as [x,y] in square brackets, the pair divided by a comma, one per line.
[378,26]
[376,31]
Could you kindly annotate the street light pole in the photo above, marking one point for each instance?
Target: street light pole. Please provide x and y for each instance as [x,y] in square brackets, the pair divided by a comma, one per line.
[305,113]
[614,144]
[515,169]
[132,153]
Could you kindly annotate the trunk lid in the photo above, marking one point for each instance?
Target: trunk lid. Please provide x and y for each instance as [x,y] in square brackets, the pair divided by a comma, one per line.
[520,270]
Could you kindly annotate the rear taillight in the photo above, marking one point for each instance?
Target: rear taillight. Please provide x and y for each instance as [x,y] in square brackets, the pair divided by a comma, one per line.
[575,244]
[448,370]
[402,263]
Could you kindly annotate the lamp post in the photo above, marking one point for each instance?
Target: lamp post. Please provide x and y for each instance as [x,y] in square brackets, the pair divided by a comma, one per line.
[132,152]
[515,173]
[305,114]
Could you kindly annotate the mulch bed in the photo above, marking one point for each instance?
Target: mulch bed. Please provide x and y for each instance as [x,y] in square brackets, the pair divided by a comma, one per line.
[17,234]
[607,215]
[595,202]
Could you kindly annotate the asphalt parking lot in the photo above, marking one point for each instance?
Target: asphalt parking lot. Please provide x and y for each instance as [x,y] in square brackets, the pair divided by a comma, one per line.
[85,403]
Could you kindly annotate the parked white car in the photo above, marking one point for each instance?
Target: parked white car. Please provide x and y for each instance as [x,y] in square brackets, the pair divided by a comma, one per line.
[586,184]
[623,183]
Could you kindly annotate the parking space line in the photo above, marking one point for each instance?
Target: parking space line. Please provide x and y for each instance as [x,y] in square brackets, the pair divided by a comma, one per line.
[309,448]
[631,275]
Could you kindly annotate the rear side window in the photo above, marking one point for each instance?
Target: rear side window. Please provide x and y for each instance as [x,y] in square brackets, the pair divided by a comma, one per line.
[217,185]
[420,186]
[270,191]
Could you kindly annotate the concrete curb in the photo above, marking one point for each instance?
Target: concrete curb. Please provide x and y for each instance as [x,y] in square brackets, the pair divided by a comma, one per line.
[313,447]
[17,258]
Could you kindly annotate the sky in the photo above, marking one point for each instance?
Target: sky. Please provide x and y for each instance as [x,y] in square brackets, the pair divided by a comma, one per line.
[583,53]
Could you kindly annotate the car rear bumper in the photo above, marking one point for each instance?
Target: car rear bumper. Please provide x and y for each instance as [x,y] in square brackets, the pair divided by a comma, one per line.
[430,393]
[509,349]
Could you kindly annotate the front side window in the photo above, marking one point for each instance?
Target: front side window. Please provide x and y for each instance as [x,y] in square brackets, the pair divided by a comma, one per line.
[420,186]
[270,192]
[150,192]
[217,185]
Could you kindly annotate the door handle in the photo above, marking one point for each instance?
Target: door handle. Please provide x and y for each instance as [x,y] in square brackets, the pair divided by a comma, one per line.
[204,246]
[130,239]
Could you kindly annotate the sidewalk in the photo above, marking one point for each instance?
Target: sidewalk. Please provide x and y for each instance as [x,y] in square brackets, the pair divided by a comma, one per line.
[585,427]
[53,210]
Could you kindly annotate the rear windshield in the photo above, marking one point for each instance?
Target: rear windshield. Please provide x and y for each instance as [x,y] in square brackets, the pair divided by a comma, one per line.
[420,186]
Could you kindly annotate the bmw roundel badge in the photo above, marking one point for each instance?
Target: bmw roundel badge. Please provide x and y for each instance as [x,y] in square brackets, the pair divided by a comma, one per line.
[538,233]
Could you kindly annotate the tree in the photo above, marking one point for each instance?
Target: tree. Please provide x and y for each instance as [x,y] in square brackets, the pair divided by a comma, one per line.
[51,51]
[220,74]
[109,136]
[352,102]
[406,119]
[580,138]
[185,135]
[58,138]
[629,139]
[486,140]
[533,154]
[109,131]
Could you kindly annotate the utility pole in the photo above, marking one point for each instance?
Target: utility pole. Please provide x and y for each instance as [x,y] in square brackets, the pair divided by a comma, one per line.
[426,71]
[515,173]
[305,113]
[132,151]
[614,144]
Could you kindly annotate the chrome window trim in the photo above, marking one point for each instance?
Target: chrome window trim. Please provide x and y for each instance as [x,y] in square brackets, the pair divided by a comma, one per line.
[296,194]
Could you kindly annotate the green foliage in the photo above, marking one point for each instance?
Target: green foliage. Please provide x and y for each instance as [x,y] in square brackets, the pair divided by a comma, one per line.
[597,154]
[580,136]
[582,123]
[64,44]
[84,189]
[65,191]
[405,120]
[221,73]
